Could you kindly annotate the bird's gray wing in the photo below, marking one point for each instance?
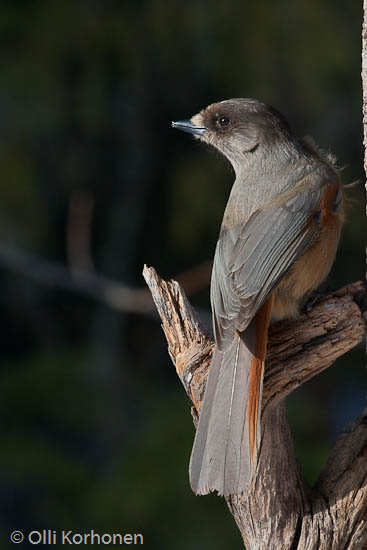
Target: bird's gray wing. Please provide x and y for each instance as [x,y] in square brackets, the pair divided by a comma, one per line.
[251,259]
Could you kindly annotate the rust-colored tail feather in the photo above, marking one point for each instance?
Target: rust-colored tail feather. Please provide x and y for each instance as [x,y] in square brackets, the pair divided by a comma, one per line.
[253,407]
[262,319]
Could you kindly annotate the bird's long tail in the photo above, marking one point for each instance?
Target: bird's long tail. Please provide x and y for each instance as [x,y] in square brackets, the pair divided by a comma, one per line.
[227,440]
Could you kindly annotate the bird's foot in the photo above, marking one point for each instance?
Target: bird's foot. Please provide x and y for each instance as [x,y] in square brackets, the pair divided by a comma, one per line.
[316,296]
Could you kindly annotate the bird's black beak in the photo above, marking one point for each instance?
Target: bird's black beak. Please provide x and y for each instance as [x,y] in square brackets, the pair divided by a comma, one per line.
[188,126]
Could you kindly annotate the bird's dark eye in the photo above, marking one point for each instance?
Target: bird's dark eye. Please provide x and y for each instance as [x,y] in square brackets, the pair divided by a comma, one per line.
[224,121]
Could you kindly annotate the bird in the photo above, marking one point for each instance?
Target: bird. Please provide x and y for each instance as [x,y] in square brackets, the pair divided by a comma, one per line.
[277,243]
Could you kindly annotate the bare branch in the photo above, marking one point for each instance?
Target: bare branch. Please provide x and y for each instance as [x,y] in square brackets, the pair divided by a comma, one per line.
[279,510]
[308,345]
[313,342]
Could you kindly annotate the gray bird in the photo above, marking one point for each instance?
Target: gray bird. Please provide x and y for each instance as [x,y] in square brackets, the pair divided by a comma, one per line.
[277,243]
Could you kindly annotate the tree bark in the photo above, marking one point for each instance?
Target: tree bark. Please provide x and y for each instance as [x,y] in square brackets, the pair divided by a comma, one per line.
[280,511]
[364,105]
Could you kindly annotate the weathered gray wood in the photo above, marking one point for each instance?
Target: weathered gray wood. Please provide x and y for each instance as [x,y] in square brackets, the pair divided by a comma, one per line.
[364,109]
[281,511]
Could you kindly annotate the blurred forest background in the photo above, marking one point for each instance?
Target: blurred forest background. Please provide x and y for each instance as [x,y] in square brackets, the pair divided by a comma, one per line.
[96,429]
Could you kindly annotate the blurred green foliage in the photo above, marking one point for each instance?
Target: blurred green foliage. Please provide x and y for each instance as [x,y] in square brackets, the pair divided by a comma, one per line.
[96,429]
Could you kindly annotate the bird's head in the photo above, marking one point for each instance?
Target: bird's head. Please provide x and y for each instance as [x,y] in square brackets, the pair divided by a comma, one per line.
[238,128]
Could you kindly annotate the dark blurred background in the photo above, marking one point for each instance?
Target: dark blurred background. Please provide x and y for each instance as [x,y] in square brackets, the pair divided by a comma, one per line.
[96,429]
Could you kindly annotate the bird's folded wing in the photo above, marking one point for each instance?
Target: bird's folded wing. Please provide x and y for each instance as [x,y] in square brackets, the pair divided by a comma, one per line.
[251,259]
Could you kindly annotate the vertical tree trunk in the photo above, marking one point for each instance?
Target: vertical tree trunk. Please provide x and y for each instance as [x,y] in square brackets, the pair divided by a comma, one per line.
[364,105]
